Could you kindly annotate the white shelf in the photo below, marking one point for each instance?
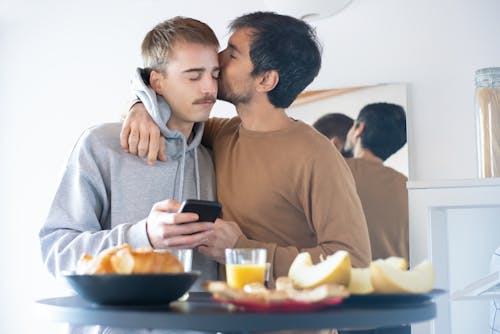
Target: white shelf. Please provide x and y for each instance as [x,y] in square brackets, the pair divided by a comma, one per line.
[465,183]
[430,211]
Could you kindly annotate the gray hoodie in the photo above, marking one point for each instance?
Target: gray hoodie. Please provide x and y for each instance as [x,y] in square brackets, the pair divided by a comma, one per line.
[106,194]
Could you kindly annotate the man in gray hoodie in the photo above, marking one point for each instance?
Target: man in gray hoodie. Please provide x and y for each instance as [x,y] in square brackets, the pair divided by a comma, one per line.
[106,194]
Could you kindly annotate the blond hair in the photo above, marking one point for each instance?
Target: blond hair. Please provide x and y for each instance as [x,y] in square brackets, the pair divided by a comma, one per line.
[158,43]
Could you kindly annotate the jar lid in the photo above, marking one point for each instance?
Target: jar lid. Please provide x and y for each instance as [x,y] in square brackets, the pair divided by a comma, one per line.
[488,77]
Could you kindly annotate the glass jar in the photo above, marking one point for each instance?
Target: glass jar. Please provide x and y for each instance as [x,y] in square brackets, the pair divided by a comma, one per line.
[487,101]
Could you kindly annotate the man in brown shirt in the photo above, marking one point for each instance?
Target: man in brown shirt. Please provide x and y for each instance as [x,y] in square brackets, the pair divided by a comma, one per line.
[378,132]
[274,173]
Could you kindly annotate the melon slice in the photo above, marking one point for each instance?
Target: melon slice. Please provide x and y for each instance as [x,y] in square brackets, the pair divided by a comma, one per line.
[396,262]
[360,283]
[335,268]
[385,278]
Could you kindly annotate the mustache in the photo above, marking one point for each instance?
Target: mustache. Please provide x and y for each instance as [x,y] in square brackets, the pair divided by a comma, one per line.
[206,99]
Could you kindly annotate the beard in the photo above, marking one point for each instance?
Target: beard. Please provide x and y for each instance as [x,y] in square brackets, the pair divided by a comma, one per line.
[348,149]
[346,153]
[225,93]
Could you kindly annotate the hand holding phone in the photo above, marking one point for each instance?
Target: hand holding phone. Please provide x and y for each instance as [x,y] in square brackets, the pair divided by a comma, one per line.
[208,211]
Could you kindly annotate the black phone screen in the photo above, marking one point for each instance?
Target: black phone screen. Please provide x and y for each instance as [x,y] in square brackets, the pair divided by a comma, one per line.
[208,211]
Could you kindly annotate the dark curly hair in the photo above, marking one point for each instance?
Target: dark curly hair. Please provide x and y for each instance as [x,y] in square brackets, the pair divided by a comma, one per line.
[385,128]
[285,44]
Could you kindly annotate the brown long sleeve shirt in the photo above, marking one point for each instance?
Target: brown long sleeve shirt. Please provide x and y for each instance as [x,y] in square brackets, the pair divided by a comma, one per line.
[384,197]
[289,191]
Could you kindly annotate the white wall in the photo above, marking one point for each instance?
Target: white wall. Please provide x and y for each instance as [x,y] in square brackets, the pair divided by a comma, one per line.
[65,65]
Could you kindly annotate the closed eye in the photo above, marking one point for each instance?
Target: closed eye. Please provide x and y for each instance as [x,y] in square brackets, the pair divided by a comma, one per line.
[215,74]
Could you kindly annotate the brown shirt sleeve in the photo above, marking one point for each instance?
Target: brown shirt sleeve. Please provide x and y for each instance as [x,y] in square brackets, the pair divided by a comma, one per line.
[213,127]
[332,209]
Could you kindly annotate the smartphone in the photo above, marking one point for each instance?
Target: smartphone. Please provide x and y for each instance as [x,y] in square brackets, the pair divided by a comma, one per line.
[208,211]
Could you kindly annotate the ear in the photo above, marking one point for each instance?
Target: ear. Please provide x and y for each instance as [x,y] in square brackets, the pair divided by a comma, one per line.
[267,81]
[337,143]
[360,127]
[155,81]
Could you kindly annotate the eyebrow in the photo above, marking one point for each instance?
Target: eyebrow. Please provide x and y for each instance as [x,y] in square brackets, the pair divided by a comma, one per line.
[233,47]
[200,69]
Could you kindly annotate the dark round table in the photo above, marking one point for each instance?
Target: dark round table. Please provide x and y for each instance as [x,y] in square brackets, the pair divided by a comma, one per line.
[202,314]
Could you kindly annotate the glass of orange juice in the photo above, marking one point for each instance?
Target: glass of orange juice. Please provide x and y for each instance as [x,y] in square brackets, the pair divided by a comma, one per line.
[244,266]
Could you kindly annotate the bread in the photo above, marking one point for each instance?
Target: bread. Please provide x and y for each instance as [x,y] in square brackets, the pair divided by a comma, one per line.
[125,260]
[258,293]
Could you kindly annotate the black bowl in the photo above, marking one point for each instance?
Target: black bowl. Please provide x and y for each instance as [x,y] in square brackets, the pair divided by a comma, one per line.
[133,289]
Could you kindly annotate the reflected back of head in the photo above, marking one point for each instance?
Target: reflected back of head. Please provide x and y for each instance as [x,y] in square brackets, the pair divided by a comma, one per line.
[384,128]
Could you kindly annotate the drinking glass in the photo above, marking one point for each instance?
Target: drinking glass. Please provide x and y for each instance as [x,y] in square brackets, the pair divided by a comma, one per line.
[244,266]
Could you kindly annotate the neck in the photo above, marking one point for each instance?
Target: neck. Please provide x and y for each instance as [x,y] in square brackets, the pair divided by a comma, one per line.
[262,117]
[183,127]
[363,153]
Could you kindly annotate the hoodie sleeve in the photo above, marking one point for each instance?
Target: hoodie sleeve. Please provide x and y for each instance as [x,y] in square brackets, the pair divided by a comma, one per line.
[78,218]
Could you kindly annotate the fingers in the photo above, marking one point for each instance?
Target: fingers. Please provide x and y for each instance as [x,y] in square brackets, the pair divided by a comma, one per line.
[124,134]
[166,212]
[141,136]
[162,156]
[176,218]
[142,146]
[154,146]
[185,240]
[133,141]
[184,229]
[168,205]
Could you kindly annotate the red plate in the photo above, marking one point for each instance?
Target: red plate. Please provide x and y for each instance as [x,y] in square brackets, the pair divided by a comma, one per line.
[288,305]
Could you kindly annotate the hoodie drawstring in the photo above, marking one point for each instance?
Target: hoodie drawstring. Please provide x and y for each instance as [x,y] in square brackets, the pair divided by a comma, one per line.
[183,164]
[197,173]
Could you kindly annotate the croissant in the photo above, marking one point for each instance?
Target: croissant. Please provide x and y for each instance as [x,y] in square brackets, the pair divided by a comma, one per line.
[125,260]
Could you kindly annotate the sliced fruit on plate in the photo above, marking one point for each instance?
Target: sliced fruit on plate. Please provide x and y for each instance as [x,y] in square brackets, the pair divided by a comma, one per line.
[385,278]
[335,269]
[360,283]
[396,262]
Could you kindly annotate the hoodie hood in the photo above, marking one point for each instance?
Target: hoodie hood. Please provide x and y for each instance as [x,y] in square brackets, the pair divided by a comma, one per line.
[160,111]
[177,146]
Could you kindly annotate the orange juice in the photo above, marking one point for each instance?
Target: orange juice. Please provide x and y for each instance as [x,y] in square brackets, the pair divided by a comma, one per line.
[240,274]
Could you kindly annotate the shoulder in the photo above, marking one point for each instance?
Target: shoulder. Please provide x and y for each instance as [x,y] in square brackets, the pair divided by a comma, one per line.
[101,132]
[216,123]
[98,140]
[314,151]
[305,131]
[306,138]
[362,167]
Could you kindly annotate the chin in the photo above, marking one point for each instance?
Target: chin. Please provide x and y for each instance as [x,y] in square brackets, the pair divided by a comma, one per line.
[201,117]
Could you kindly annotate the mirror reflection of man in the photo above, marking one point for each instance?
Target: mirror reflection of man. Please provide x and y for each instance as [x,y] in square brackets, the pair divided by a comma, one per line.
[335,127]
[378,132]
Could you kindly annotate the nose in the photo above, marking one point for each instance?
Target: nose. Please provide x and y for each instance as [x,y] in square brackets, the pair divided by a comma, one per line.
[209,85]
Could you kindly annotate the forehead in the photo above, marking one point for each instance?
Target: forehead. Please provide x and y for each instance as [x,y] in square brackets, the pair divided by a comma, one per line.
[241,39]
[193,54]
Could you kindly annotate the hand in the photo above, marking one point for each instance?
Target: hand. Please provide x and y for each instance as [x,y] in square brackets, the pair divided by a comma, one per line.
[225,234]
[168,229]
[141,136]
